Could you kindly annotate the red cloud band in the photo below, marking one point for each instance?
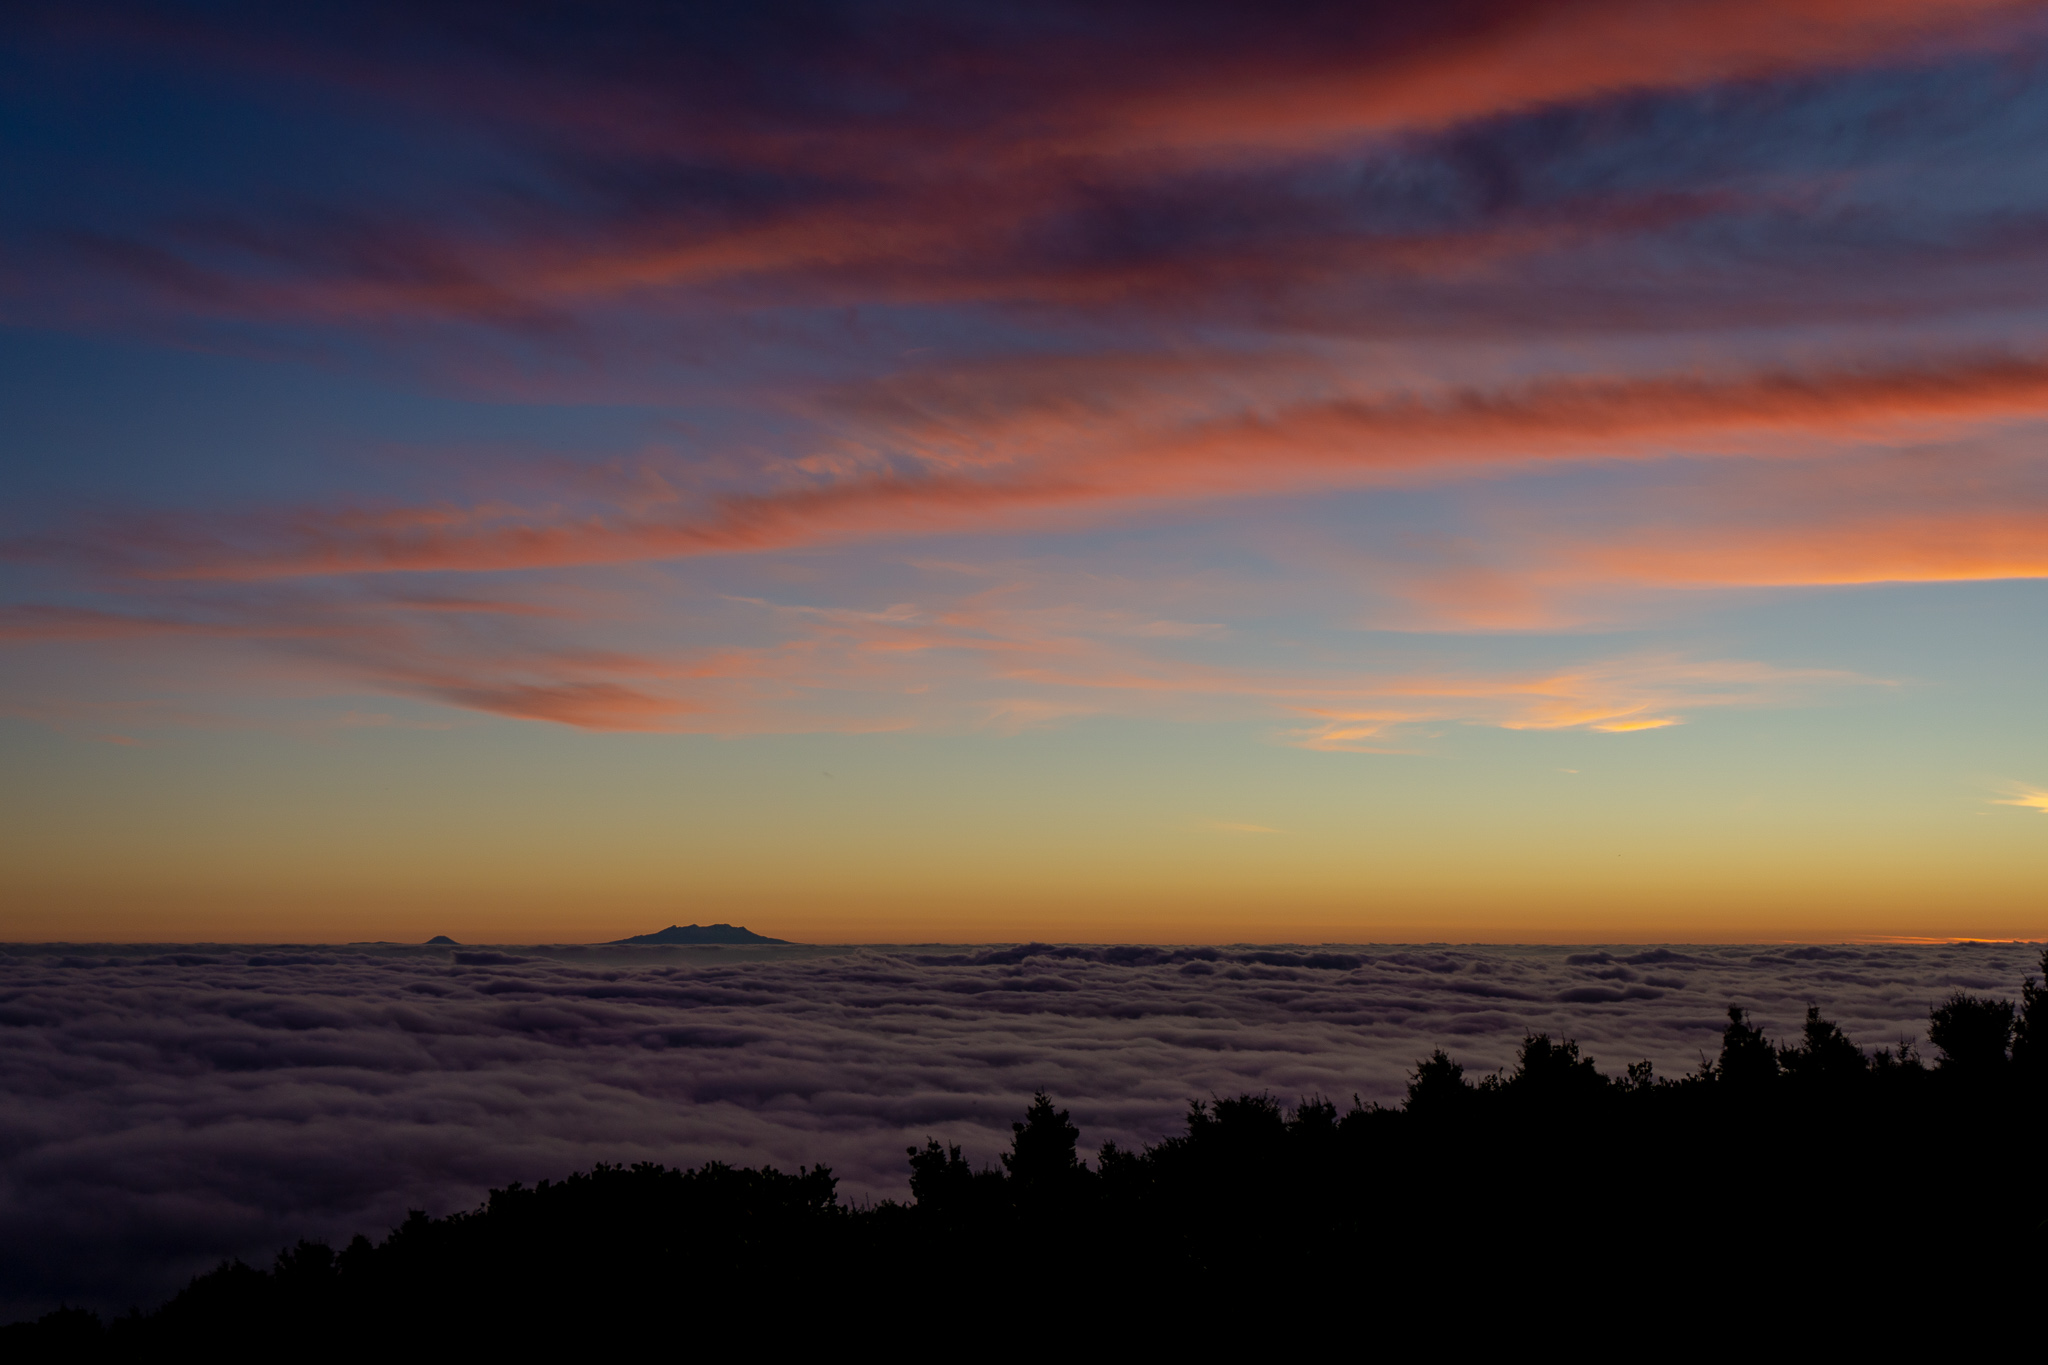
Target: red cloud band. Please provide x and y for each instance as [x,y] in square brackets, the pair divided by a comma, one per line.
[1043,463]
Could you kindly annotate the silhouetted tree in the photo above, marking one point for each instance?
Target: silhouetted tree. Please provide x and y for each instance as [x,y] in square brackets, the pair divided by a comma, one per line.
[1313,1121]
[1246,1124]
[1971,1031]
[1041,1161]
[1748,1061]
[1825,1056]
[940,1178]
[1553,1072]
[2030,1029]
[1438,1086]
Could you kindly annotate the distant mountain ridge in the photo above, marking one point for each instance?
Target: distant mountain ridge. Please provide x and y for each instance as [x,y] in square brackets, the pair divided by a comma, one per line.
[700,933]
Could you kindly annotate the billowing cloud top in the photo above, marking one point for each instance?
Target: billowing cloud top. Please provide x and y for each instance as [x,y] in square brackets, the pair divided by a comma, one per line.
[172,1105]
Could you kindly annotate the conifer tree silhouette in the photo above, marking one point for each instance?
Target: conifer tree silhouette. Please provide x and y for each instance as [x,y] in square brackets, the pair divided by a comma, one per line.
[1748,1062]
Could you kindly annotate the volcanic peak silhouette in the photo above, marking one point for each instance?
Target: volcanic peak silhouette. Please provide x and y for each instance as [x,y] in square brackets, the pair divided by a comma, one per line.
[700,933]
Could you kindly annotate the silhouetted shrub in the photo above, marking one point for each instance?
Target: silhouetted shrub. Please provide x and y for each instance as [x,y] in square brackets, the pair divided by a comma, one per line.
[939,1176]
[1825,1056]
[1553,1073]
[1971,1032]
[1438,1086]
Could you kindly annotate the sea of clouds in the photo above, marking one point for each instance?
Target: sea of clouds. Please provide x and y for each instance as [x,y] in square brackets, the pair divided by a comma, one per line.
[167,1107]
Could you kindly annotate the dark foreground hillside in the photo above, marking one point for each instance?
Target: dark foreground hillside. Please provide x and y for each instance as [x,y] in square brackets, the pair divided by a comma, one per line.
[1800,1185]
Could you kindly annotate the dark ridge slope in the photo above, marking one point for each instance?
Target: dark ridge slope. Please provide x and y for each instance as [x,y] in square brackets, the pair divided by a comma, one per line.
[1801,1196]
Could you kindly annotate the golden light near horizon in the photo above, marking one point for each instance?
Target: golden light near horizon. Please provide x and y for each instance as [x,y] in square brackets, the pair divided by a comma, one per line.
[1082,508]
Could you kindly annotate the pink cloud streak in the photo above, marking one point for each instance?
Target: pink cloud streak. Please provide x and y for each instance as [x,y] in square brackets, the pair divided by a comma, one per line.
[1048,462]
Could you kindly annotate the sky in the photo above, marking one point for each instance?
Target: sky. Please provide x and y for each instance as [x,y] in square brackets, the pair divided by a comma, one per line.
[1509,472]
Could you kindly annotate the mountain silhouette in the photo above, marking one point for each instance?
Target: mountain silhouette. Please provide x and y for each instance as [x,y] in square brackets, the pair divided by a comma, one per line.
[701,933]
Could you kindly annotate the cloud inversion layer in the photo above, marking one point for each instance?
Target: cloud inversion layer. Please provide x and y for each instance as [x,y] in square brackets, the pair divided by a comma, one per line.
[169,1106]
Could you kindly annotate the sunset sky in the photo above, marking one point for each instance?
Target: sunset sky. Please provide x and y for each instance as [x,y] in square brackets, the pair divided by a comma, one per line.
[1531,472]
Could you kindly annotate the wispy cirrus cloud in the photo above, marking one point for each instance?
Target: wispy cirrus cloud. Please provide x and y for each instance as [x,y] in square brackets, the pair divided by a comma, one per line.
[1613,696]
[1687,298]
[2025,797]
[1017,652]
[988,460]
[1360,168]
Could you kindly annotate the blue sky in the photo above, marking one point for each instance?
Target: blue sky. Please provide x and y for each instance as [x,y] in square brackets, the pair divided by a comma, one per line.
[1526,471]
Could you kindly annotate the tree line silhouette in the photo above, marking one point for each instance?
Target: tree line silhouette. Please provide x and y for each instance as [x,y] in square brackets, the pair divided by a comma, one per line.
[1798,1177]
